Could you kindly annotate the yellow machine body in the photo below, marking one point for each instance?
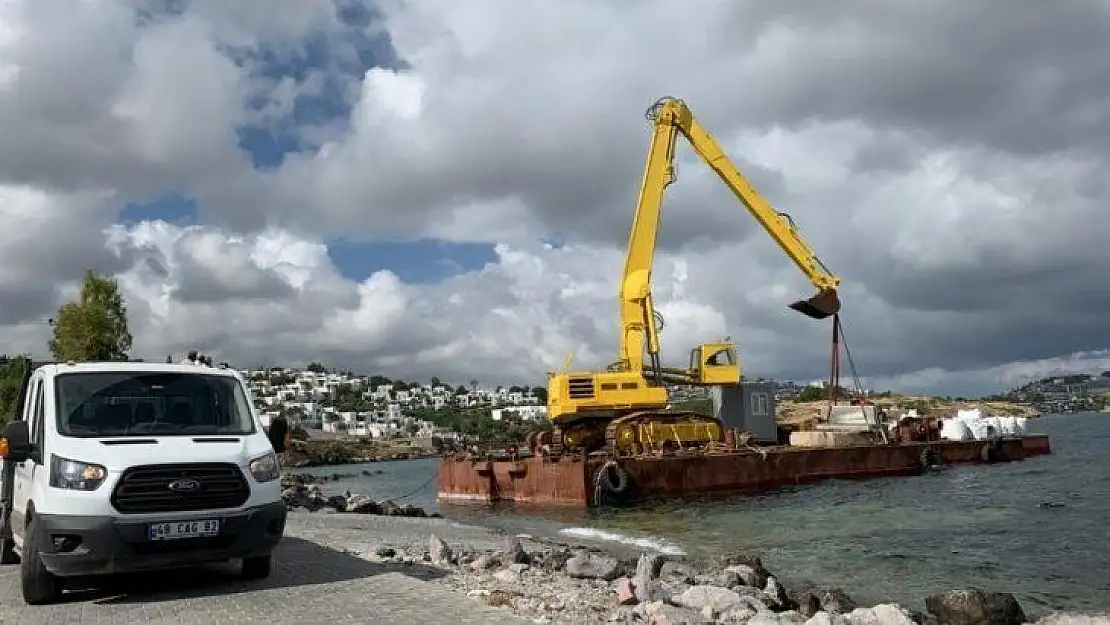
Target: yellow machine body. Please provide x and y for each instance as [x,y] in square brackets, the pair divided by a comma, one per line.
[627,404]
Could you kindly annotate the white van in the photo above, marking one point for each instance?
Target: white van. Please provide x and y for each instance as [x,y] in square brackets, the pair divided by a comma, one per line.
[114,467]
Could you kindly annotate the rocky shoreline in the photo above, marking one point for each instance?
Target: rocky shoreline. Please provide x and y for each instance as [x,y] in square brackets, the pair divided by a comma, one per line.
[302,491]
[575,584]
[549,581]
[329,452]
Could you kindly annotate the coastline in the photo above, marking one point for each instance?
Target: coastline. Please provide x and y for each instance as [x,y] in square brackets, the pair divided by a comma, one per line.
[555,580]
[576,579]
[313,453]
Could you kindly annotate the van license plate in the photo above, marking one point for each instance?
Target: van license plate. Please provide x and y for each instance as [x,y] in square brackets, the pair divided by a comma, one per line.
[184,529]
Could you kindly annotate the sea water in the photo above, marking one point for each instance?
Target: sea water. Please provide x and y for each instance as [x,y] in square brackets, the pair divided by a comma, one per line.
[1036,528]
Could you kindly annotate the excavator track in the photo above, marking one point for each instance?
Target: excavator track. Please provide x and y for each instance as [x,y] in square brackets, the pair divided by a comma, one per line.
[645,432]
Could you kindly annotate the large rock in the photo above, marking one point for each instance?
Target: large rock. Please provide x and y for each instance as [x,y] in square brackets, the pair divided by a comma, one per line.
[649,565]
[626,592]
[740,614]
[827,618]
[643,580]
[674,615]
[711,598]
[748,575]
[972,606]
[514,552]
[775,595]
[724,579]
[677,572]
[766,617]
[410,510]
[758,574]
[388,508]
[361,504]
[882,614]
[810,599]
[551,561]
[439,552]
[587,565]
[649,590]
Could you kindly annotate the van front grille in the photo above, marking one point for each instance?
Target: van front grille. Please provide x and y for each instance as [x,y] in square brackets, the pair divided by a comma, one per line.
[207,486]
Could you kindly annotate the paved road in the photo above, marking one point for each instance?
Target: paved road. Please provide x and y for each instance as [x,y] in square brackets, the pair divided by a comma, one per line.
[311,583]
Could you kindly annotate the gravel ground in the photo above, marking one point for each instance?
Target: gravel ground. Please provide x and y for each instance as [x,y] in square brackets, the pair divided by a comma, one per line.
[365,533]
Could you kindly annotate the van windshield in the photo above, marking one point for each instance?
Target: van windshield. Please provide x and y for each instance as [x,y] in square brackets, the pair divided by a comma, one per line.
[159,403]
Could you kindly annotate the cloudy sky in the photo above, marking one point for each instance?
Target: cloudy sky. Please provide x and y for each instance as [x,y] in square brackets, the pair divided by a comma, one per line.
[424,188]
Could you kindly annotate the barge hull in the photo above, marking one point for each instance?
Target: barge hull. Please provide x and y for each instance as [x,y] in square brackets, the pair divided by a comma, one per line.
[570,481]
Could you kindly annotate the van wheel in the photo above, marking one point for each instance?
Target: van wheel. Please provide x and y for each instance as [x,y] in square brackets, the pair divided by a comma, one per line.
[7,551]
[39,585]
[256,568]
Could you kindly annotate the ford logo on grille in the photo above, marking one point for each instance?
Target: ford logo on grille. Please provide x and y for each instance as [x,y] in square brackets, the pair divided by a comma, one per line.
[185,485]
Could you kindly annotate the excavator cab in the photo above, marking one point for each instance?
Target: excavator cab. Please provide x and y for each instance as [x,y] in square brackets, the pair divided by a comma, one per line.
[825,304]
[715,363]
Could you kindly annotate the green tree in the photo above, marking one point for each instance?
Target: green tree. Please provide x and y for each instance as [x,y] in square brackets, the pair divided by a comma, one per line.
[316,367]
[815,393]
[540,394]
[95,326]
[11,374]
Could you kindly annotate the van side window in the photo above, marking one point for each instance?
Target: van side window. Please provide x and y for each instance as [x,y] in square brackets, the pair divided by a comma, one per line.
[29,404]
[33,410]
[38,424]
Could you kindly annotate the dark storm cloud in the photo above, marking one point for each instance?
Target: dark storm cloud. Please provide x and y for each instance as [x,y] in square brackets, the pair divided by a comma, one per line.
[20,303]
[1023,76]
[199,283]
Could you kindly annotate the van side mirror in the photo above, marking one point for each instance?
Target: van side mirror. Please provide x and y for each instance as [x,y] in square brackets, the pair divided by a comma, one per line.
[15,442]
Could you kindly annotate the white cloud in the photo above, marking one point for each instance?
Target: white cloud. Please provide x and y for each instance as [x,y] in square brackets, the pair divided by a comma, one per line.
[960,204]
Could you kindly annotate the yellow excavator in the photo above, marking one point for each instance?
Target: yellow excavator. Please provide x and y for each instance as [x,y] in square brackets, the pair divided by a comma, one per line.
[625,407]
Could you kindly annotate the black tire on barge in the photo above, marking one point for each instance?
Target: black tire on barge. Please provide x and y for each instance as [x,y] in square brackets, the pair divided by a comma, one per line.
[611,482]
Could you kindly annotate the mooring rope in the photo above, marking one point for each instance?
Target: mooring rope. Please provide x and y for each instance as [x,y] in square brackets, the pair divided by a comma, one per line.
[413,491]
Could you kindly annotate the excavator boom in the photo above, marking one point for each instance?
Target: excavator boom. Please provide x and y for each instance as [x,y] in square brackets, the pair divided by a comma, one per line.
[670,118]
[673,114]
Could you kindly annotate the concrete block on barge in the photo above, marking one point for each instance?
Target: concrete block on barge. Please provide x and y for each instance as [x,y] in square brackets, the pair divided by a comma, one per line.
[573,481]
[826,438]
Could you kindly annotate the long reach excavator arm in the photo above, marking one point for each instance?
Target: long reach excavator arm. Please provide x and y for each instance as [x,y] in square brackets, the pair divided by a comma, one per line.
[671,117]
[627,404]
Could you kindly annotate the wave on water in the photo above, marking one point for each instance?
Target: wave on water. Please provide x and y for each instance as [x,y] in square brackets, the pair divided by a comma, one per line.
[646,542]
[1074,618]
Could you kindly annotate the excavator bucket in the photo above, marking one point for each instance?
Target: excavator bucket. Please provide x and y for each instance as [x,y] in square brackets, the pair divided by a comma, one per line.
[824,304]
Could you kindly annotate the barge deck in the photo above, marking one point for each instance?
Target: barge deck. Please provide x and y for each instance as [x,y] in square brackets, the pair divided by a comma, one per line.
[587,481]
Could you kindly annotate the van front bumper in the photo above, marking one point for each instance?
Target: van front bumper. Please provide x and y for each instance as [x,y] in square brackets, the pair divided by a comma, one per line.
[94,545]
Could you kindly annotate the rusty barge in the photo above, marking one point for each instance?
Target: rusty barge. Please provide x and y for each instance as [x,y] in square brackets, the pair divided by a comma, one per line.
[756,453]
[584,481]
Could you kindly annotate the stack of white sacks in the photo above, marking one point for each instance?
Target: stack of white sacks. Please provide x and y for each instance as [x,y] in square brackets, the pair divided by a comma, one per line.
[969,425]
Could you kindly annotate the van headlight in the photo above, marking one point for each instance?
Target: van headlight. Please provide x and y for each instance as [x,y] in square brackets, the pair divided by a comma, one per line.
[265,468]
[75,475]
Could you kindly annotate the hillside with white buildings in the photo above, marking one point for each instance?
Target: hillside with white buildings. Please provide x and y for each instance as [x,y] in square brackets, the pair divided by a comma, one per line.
[373,406]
